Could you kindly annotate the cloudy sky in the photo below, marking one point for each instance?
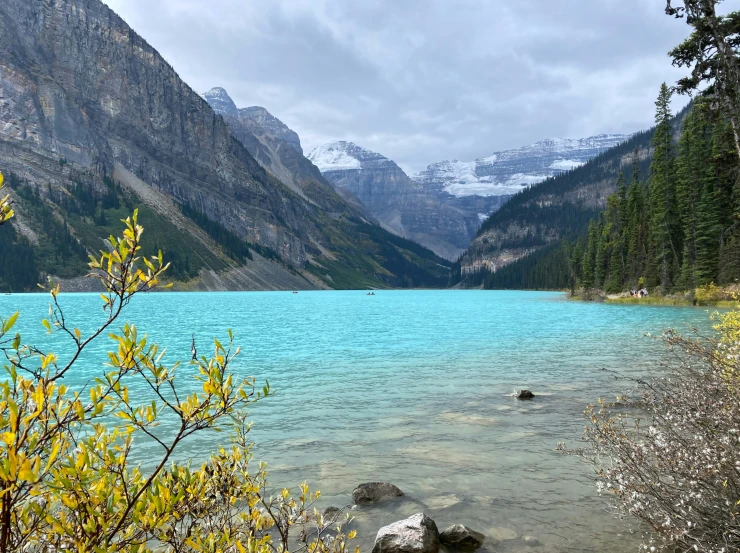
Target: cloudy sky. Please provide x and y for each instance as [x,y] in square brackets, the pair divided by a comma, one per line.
[424,80]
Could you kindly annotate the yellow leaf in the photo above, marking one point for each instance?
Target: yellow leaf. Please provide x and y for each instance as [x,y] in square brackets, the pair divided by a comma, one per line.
[26,472]
[7,325]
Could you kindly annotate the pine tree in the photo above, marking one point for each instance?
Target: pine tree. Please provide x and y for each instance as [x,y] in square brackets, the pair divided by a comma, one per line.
[664,230]
[589,257]
[636,232]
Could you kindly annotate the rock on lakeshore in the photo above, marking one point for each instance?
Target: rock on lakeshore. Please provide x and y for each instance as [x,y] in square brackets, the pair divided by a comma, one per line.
[372,492]
[461,537]
[416,534]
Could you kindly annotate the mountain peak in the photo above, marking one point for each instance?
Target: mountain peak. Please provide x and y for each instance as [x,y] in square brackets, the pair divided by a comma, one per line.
[220,101]
[342,155]
[257,118]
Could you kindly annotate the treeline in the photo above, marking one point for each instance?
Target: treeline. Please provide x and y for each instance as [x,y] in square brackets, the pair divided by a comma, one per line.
[234,246]
[679,228]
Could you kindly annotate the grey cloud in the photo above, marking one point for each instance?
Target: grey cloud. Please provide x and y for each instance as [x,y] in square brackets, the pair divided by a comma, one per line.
[424,80]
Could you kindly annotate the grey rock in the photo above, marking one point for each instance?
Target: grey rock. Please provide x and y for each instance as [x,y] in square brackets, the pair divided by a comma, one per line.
[531,541]
[372,492]
[432,217]
[461,537]
[416,534]
[84,98]
[330,514]
[524,394]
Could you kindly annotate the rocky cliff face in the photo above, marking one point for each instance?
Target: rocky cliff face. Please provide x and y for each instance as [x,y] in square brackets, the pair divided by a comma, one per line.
[84,98]
[508,172]
[431,217]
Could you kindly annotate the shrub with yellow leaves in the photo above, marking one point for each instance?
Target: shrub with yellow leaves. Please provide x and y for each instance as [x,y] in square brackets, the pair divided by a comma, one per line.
[6,212]
[67,478]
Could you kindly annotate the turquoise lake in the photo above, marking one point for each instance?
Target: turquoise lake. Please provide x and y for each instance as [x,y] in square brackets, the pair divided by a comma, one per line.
[413,388]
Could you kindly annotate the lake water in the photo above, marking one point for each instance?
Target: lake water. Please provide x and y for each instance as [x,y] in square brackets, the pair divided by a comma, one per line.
[412,387]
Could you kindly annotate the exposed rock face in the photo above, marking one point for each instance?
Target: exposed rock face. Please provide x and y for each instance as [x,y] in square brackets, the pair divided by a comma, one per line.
[461,538]
[372,492]
[410,209]
[82,96]
[78,84]
[256,118]
[508,172]
[416,534]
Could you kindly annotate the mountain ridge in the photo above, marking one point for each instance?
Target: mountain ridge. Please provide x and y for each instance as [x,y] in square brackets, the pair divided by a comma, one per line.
[401,205]
[509,171]
[95,119]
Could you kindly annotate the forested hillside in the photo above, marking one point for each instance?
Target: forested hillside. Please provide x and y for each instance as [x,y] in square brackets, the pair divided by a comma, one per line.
[544,214]
[674,226]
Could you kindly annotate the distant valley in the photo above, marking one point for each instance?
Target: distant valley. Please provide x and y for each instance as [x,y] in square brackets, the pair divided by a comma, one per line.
[443,206]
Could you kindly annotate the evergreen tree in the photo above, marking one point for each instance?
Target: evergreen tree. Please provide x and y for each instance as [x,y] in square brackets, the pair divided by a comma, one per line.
[664,235]
[589,257]
[636,231]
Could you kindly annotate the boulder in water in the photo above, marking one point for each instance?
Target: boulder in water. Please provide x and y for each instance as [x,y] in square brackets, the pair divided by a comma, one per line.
[330,514]
[416,534]
[461,538]
[372,492]
[524,394]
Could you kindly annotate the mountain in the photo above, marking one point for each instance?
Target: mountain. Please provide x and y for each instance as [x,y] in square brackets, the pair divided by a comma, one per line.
[95,123]
[408,208]
[510,171]
[539,216]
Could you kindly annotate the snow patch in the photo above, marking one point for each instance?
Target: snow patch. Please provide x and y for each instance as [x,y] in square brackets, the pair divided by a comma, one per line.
[509,171]
[333,157]
[565,164]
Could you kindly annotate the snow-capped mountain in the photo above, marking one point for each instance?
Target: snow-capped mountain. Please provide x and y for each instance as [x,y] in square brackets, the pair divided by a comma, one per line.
[437,220]
[507,172]
[345,156]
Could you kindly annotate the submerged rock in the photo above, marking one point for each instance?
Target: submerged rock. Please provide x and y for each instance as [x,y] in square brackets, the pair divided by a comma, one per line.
[461,537]
[330,514]
[531,541]
[372,492]
[503,534]
[416,534]
[524,394]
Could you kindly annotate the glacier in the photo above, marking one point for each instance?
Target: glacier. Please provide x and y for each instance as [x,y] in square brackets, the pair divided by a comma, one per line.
[509,171]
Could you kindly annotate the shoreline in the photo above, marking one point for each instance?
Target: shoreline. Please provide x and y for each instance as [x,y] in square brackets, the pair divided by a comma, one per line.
[709,296]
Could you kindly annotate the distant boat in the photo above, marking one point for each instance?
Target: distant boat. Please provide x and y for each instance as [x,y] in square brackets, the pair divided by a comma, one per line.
[371,293]
[295,292]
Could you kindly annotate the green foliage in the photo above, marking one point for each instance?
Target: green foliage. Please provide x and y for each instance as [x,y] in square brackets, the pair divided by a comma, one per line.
[546,269]
[664,235]
[235,247]
[372,257]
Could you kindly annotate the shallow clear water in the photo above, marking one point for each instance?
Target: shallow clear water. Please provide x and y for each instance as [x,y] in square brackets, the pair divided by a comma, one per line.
[411,387]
